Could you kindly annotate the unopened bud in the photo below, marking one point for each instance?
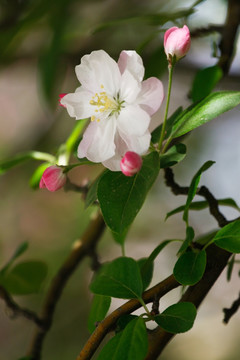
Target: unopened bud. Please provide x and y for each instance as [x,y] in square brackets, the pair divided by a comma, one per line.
[131,163]
[53,178]
[60,98]
[177,42]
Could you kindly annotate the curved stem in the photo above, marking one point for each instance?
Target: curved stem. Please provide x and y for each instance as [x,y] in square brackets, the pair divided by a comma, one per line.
[170,72]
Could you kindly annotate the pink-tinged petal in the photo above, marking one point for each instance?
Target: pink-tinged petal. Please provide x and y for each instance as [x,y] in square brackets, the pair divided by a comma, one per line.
[151,96]
[98,144]
[78,104]
[60,98]
[138,144]
[131,61]
[167,33]
[177,42]
[53,178]
[133,120]
[131,163]
[99,72]
[130,87]
[113,164]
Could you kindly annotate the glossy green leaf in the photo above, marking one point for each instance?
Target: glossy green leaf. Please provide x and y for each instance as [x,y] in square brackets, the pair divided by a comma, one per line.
[200,205]
[91,197]
[155,136]
[205,81]
[190,267]
[129,344]
[36,176]
[123,321]
[120,237]
[25,278]
[207,109]
[193,187]
[189,238]
[228,237]
[121,279]
[177,318]
[99,308]
[20,158]
[173,156]
[19,251]
[146,272]
[121,197]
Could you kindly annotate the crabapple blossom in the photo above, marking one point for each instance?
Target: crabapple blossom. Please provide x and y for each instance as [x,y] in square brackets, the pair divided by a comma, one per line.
[131,163]
[118,101]
[177,42]
[60,98]
[53,178]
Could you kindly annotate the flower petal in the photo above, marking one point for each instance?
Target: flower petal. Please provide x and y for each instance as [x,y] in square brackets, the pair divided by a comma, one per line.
[78,103]
[130,87]
[113,164]
[131,61]
[99,69]
[151,95]
[138,144]
[133,120]
[97,144]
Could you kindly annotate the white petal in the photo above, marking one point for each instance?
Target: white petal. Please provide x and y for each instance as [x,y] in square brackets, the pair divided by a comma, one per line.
[77,104]
[130,87]
[97,144]
[151,95]
[133,120]
[131,61]
[138,144]
[99,69]
[113,164]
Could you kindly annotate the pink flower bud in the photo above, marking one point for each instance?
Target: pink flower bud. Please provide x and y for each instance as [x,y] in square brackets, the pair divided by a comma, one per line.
[177,42]
[53,178]
[60,98]
[131,163]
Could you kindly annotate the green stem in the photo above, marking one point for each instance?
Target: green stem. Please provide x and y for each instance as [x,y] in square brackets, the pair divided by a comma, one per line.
[123,250]
[170,72]
[145,307]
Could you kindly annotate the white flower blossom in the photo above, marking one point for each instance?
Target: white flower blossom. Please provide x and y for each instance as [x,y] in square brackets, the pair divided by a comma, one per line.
[119,103]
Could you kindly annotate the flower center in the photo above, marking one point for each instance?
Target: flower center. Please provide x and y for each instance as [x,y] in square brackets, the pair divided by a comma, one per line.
[104,103]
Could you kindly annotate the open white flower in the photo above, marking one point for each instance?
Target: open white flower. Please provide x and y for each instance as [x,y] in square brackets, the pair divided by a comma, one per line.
[119,103]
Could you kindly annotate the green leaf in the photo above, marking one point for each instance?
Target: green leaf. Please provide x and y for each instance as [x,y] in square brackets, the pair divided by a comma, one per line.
[189,238]
[123,321]
[207,109]
[25,278]
[177,318]
[20,250]
[173,156]
[146,272]
[129,344]
[121,279]
[193,187]
[157,63]
[36,176]
[205,81]
[20,158]
[121,197]
[155,136]
[92,192]
[120,237]
[228,238]
[99,309]
[200,205]
[190,267]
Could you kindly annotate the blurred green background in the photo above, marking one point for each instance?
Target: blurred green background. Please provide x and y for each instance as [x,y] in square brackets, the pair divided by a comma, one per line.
[40,44]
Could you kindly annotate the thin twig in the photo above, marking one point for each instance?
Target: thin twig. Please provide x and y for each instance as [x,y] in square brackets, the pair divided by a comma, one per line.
[81,249]
[229,312]
[202,191]
[17,310]
[109,322]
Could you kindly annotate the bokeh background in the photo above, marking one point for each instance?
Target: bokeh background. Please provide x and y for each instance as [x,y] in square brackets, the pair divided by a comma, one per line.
[41,42]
